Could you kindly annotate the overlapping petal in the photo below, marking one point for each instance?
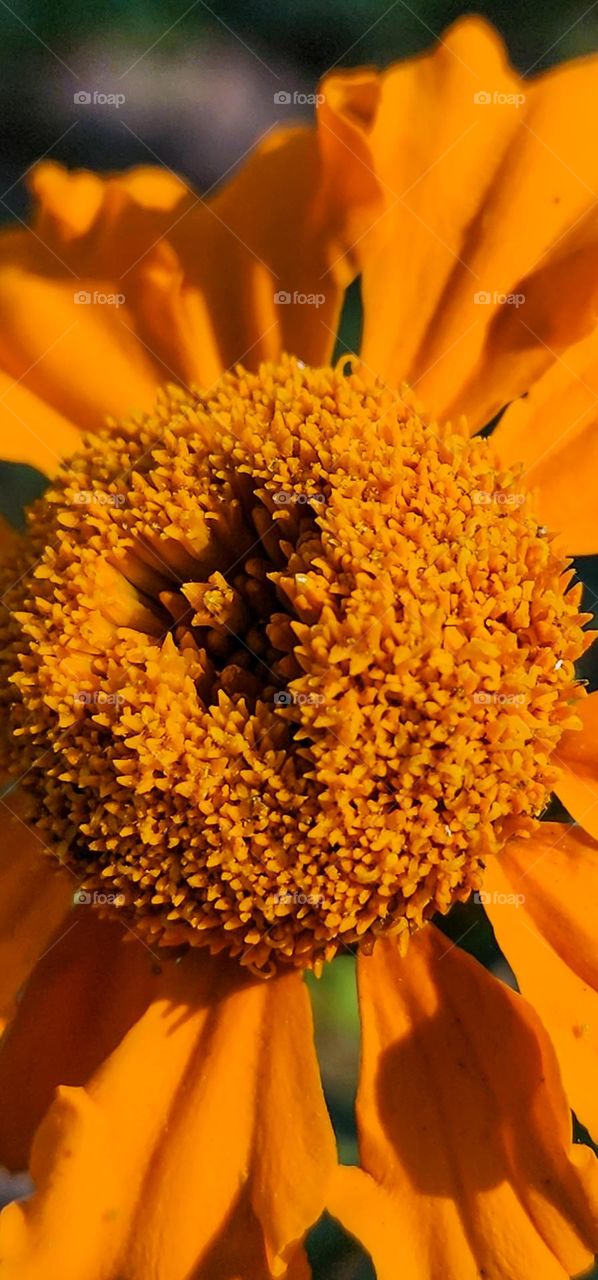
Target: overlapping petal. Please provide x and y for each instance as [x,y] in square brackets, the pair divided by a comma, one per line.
[487,190]
[135,280]
[553,433]
[464,1128]
[202,1139]
[35,900]
[79,1003]
[268,259]
[30,430]
[542,898]
[83,358]
[577,756]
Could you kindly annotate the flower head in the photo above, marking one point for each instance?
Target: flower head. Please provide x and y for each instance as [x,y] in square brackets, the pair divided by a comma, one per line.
[297,674]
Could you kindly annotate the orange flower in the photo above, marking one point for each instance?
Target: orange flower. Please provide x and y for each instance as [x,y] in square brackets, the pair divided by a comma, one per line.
[288,667]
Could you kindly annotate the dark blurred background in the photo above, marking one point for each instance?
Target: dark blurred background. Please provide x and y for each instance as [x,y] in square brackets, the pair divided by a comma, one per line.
[199,82]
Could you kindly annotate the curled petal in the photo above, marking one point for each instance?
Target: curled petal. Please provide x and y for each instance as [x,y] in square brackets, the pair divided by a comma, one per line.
[542,898]
[134,280]
[35,901]
[485,213]
[464,1127]
[211,1099]
[577,755]
[553,433]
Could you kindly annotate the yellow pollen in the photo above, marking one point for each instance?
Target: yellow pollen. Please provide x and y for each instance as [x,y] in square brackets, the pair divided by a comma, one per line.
[290,665]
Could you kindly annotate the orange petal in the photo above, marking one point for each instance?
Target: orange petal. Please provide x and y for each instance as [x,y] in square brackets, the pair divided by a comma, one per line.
[554,433]
[34,901]
[464,1126]
[195,285]
[542,898]
[79,1003]
[265,261]
[490,197]
[212,1099]
[238,1253]
[114,234]
[30,431]
[577,755]
[82,358]
[526,337]
[69,203]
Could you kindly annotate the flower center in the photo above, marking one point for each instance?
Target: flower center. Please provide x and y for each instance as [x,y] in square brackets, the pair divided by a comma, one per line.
[290,665]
